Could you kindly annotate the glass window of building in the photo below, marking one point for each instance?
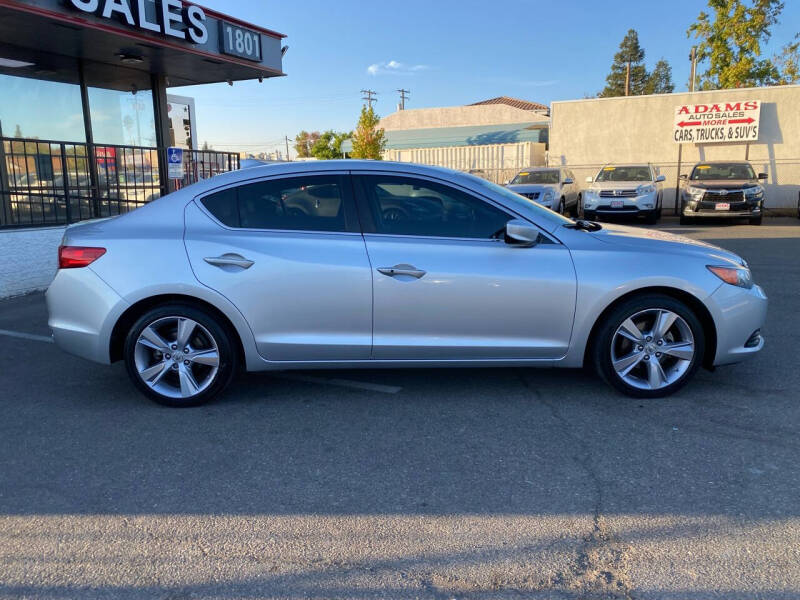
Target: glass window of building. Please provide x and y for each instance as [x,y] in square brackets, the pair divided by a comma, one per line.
[47,110]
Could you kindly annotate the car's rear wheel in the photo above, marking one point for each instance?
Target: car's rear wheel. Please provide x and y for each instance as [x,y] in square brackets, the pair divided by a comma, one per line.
[561,207]
[179,355]
[649,346]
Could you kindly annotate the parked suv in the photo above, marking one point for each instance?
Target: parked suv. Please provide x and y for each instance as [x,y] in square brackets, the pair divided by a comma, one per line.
[722,189]
[633,190]
[552,188]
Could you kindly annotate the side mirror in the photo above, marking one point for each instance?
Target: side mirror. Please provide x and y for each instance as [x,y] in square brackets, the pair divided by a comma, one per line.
[589,179]
[521,233]
[660,178]
[569,181]
[684,177]
[762,176]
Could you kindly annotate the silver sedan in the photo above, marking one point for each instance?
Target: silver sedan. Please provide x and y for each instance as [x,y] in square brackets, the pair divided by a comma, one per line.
[372,264]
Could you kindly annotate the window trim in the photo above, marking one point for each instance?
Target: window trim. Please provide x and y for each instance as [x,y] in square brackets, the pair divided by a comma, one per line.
[351,217]
[368,225]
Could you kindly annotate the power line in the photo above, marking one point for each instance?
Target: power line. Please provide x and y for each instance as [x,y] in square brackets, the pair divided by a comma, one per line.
[368,96]
[403,97]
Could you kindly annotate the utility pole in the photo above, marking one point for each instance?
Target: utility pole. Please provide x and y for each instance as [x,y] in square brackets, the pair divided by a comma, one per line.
[403,97]
[693,70]
[368,96]
[287,148]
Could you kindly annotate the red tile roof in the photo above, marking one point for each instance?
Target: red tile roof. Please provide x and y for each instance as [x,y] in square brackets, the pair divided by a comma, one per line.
[515,102]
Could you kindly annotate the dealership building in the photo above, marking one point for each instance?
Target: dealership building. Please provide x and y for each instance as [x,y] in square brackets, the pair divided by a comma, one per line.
[86,118]
[587,134]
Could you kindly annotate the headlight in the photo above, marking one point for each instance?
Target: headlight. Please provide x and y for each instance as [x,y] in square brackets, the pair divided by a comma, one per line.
[740,277]
[695,193]
[548,196]
[590,194]
[753,193]
[645,189]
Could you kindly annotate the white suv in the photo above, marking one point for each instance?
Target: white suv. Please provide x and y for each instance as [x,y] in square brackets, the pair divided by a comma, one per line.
[633,190]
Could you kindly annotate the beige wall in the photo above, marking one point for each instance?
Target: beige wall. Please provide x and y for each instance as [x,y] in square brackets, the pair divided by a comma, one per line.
[584,134]
[499,162]
[459,116]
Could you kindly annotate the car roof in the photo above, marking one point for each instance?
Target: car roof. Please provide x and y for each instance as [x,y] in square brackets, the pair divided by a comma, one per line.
[625,165]
[723,162]
[317,166]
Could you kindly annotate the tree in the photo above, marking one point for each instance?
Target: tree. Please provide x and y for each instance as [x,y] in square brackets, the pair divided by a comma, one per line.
[368,140]
[329,145]
[660,80]
[788,63]
[303,142]
[629,51]
[206,146]
[731,41]
[17,131]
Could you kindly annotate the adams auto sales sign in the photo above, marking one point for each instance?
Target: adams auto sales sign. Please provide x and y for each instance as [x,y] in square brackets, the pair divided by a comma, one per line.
[716,123]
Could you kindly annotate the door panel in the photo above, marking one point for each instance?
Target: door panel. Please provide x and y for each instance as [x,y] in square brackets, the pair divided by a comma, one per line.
[477,299]
[307,295]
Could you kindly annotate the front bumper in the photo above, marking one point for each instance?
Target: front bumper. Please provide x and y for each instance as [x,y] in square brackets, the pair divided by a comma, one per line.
[82,311]
[739,314]
[750,213]
[630,206]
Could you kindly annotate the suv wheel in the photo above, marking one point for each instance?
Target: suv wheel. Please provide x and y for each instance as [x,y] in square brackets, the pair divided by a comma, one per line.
[649,346]
[179,355]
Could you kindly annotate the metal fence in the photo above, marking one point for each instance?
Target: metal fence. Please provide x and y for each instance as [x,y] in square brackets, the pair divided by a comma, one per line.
[48,182]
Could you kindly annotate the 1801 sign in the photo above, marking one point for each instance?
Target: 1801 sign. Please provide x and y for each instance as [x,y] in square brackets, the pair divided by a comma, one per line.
[238,41]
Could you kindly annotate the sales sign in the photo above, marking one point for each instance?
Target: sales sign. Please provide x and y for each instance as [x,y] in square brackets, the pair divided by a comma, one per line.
[175,162]
[718,122]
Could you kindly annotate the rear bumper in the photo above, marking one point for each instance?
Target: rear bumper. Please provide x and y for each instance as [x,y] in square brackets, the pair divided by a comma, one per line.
[739,314]
[82,311]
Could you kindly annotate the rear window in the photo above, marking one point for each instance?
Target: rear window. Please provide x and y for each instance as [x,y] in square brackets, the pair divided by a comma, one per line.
[296,203]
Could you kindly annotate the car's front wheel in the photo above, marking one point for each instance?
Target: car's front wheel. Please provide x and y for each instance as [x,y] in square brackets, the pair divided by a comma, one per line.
[179,355]
[649,346]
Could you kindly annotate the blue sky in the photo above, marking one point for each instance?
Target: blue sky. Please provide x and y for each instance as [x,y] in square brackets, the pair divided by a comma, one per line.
[446,52]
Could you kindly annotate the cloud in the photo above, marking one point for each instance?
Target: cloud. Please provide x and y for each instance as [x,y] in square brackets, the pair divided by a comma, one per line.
[394,67]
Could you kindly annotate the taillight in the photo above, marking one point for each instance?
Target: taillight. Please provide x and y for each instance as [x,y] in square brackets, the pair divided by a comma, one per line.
[75,257]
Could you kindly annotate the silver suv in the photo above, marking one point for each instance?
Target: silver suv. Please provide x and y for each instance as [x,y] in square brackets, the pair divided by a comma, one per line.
[553,188]
[633,190]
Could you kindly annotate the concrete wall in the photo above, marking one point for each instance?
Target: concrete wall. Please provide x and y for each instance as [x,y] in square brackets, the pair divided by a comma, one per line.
[459,116]
[585,134]
[29,259]
[498,162]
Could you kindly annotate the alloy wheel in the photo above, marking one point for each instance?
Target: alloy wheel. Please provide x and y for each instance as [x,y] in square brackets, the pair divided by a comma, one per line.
[652,349]
[176,357]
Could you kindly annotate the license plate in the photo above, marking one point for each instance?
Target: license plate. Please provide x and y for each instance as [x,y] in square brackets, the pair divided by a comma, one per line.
[722,206]
[617,204]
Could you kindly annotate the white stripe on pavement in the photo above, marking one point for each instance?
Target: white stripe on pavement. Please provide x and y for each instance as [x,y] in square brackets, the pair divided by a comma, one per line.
[27,336]
[359,385]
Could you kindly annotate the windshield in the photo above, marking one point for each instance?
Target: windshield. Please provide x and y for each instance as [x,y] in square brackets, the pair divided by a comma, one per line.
[547,177]
[624,174]
[722,171]
[522,202]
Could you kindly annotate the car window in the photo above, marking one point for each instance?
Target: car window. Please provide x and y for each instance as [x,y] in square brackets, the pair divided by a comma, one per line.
[297,203]
[625,174]
[549,176]
[409,206]
[723,171]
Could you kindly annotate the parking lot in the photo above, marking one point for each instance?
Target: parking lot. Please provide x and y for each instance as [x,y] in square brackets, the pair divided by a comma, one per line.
[499,483]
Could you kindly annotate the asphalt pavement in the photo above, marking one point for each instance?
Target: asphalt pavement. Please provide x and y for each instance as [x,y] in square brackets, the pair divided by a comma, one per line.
[471,483]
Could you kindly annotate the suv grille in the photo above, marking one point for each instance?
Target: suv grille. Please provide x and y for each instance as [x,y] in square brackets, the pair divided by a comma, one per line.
[530,195]
[730,196]
[617,193]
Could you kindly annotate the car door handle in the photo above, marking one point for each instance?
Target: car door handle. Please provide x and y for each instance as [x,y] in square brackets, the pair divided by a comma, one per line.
[409,270]
[229,260]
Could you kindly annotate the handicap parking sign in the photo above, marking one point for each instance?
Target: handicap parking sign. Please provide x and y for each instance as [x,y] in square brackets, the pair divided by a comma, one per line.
[175,162]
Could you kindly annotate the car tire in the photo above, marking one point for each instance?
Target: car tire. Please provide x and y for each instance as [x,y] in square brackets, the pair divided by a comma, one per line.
[188,376]
[578,210]
[589,215]
[756,220]
[651,217]
[686,220]
[613,349]
[561,207]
